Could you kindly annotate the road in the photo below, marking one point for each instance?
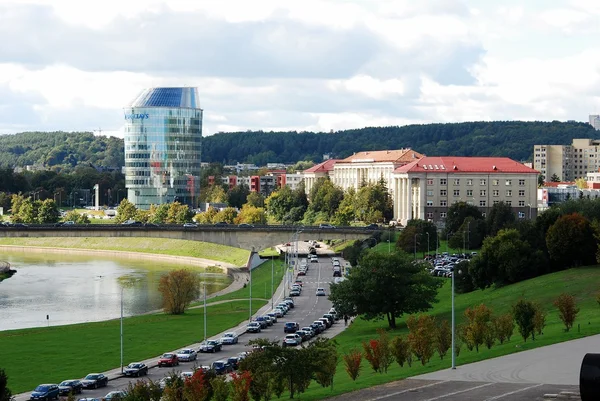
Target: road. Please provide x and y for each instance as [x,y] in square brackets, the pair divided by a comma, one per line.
[308,308]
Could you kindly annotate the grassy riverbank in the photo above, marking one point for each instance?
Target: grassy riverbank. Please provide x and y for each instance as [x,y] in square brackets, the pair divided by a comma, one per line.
[163,246]
[52,354]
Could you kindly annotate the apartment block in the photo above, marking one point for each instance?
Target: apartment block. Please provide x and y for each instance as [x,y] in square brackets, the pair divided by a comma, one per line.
[426,188]
[595,121]
[568,162]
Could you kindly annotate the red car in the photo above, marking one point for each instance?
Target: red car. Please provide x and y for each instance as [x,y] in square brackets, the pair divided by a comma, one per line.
[168,359]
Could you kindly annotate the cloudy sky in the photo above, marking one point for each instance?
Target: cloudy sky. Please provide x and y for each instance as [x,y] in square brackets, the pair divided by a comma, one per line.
[308,65]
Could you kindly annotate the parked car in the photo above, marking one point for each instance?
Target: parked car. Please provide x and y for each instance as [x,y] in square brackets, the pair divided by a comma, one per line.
[94,380]
[136,369]
[292,340]
[326,322]
[253,327]
[210,346]
[229,338]
[321,292]
[190,225]
[114,395]
[168,359]
[45,392]
[132,223]
[318,328]
[187,355]
[295,292]
[290,327]
[245,225]
[309,330]
[234,361]
[273,316]
[221,224]
[277,312]
[303,335]
[323,225]
[221,367]
[67,387]
[372,226]
[262,321]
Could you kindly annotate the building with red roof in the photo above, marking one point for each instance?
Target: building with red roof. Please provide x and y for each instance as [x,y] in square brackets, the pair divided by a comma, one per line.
[321,170]
[427,187]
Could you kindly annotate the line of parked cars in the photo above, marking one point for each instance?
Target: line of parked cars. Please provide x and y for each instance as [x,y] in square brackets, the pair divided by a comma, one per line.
[51,391]
[443,264]
[295,335]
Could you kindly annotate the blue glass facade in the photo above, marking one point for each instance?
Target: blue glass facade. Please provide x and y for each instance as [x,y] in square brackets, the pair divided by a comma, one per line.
[163,133]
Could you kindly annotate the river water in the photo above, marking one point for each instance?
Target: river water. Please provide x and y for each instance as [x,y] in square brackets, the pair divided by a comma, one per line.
[55,289]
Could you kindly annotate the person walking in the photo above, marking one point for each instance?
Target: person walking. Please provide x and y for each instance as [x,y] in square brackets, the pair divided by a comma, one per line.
[345,320]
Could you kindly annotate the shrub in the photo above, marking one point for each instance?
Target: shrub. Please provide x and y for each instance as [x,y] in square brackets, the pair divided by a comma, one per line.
[504,326]
[385,353]
[539,320]
[567,309]
[477,326]
[240,386]
[401,351]
[373,354]
[465,336]
[524,314]
[489,335]
[352,362]
[443,338]
[197,388]
[220,388]
[421,337]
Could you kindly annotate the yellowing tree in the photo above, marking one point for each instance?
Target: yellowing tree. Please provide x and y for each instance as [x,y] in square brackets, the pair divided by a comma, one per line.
[251,215]
[227,215]
[178,288]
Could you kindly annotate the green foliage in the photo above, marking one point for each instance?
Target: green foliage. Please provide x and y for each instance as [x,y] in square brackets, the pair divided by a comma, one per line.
[287,206]
[554,178]
[524,315]
[47,212]
[386,285]
[221,388]
[256,199]
[352,361]
[443,338]
[499,217]
[5,393]
[457,213]
[570,241]
[470,234]
[237,196]
[421,336]
[78,218]
[325,198]
[251,215]
[503,327]
[214,194]
[373,203]
[425,232]
[125,211]
[227,215]
[178,213]
[478,325]
[401,351]
[539,319]
[567,309]
[178,288]
[142,390]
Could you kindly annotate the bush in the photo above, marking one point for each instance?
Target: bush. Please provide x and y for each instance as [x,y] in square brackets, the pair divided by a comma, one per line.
[373,352]
[443,338]
[524,314]
[504,326]
[478,325]
[401,351]
[352,362]
[220,388]
[567,309]
[421,337]
[539,320]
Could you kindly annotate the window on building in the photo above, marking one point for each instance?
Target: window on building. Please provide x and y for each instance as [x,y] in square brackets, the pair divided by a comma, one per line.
[483,214]
[521,203]
[521,215]
[456,192]
[443,203]
[430,181]
[457,181]
[496,192]
[482,192]
[443,181]
[495,182]
[496,201]
[469,192]
[429,203]
[443,192]
[482,181]
[508,183]
[443,215]
[508,192]
[430,192]
[429,215]
[521,192]
[521,183]
[482,203]
[469,182]
[509,203]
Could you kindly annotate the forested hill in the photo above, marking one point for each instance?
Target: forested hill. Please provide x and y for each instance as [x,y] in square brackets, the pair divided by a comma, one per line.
[60,149]
[514,139]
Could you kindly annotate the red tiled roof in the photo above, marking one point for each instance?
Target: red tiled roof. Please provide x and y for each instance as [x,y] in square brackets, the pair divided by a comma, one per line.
[453,164]
[324,167]
[375,156]
[551,184]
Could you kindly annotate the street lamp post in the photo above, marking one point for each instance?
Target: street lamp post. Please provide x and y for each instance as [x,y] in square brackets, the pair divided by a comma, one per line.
[427,243]
[469,235]
[205,314]
[250,271]
[122,329]
[272,293]
[453,325]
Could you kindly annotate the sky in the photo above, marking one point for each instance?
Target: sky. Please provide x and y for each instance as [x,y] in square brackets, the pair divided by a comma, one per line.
[314,65]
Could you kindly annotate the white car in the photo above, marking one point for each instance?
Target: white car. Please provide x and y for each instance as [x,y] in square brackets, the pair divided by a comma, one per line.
[292,340]
[229,338]
[114,395]
[190,225]
[187,355]
[321,292]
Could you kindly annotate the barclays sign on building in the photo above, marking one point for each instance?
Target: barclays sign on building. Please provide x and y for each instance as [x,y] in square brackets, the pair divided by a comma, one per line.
[137,116]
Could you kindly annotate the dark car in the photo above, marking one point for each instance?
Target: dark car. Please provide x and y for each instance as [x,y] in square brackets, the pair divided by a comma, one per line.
[221,367]
[317,328]
[221,224]
[234,361]
[262,321]
[210,346]
[245,225]
[253,327]
[95,380]
[168,359]
[132,223]
[136,369]
[372,226]
[45,392]
[290,327]
[67,387]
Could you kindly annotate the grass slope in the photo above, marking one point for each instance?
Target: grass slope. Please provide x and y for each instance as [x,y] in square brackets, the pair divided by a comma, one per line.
[196,249]
[580,282]
[52,354]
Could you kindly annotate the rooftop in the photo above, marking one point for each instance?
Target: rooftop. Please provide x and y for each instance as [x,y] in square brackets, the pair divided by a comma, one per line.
[324,167]
[167,97]
[378,156]
[453,164]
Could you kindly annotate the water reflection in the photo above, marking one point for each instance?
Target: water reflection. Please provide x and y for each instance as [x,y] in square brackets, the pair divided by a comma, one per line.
[73,289]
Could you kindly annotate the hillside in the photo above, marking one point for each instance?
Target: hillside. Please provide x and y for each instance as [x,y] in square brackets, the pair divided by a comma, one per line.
[514,139]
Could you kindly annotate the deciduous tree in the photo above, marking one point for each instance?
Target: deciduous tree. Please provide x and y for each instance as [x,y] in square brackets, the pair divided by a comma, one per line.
[421,336]
[256,199]
[352,361]
[570,241]
[178,289]
[5,393]
[539,320]
[478,323]
[524,315]
[251,215]
[457,213]
[125,211]
[238,195]
[443,338]
[227,215]
[567,309]
[48,212]
[401,351]
[503,327]
[499,217]
[78,218]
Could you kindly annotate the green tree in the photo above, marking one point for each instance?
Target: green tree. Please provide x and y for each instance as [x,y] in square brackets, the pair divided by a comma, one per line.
[238,195]
[325,197]
[207,217]
[5,393]
[443,340]
[256,199]
[228,215]
[499,217]
[386,286]
[125,211]
[425,232]
[570,241]
[477,326]
[286,205]
[158,214]
[143,391]
[251,215]
[178,289]
[345,213]
[215,194]
[554,178]
[373,203]
[524,314]
[78,218]
[567,309]
[421,336]
[457,213]
[178,213]
[48,212]
[470,235]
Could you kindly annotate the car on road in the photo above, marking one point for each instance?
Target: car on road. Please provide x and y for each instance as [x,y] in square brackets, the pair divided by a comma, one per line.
[190,225]
[168,359]
[114,395]
[321,292]
[221,224]
[277,312]
[45,392]
[323,225]
[330,317]
[321,326]
[234,361]
[67,387]
[136,369]
[132,223]
[372,226]
[262,321]
[210,346]
[229,338]
[186,355]
[289,301]
[290,327]
[253,327]
[292,340]
[302,272]
[295,292]
[245,225]
[326,322]
[221,367]
[309,330]
[273,316]
[303,335]
[94,380]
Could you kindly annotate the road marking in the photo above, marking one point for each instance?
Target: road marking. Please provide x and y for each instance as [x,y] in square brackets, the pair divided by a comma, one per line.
[459,392]
[381,397]
[512,392]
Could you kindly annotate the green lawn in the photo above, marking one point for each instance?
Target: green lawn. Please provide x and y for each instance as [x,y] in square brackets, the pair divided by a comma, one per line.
[72,351]
[581,282]
[196,249]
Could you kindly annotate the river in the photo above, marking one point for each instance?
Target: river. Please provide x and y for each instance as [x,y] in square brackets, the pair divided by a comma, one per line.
[55,289]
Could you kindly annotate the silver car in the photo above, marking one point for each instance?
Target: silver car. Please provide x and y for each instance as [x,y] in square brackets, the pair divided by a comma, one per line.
[229,338]
[187,355]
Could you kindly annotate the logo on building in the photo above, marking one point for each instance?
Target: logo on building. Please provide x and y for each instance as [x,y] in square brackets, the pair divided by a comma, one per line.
[137,116]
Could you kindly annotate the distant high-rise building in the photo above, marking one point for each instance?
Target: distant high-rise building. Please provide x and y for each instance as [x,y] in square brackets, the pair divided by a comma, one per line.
[163,133]
[567,162]
[595,121]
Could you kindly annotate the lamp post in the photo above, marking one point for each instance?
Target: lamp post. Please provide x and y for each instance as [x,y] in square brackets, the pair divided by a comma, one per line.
[272,293]
[122,329]
[427,243]
[453,326]
[250,271]
[469,235]
[529,204]
[205,314]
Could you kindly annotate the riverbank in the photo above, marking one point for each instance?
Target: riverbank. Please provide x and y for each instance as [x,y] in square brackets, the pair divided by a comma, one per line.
[151,247]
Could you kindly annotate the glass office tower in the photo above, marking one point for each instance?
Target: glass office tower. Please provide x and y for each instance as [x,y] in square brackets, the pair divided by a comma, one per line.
[163,133]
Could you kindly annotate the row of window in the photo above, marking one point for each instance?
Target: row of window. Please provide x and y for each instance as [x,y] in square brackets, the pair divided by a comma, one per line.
[443,215]
[482,192]
[482,203]
[482,181]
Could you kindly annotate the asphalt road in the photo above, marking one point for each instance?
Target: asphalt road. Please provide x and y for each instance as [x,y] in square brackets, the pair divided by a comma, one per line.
[308,308]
